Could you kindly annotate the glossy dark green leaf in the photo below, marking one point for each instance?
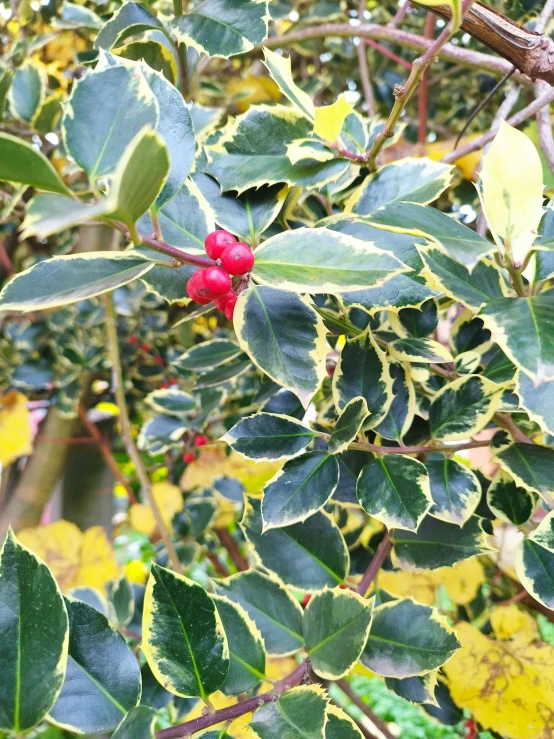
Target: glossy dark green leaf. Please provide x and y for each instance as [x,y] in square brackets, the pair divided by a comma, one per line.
[463,408]
[121,601]
[102,680]
[171,401]
[510,502]
[418,322]
[284,337]
[336,626]
[27,91]
[534,561]
[400,413]
[183,638]
[395,490]
[297,714]
[34,637]
[138,724]
[538,401]
[21,162]
[468,333]
[339,725]
[407,639]
[455,490]
[130,19]
[224,373]
[348,425]
[154,54]
[246,648]
[363,371]
[269,436]
[417,689]
[269,604]
[439,544]
[207,355]
[300,488]
[531,467]
[307,555]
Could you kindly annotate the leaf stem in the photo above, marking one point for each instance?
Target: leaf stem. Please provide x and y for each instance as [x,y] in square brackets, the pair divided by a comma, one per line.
[375,565]
[363,446]
[127,432]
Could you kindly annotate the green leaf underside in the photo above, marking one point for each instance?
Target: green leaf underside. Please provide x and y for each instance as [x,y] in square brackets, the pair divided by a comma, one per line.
[300,488]
[348,425]
[20,162]
[322,261]
[336,624]
[284,337]
[531,467]
[102,681]
[246,648]
[439,544]
[207,355]
[407,639]
[275,612]
[297,714]
[27,91]
[34,637]
[138,724]
[49,214]
[455,490]
[510,502]
[308,556]
[395,490]
[63,280]
[269,436]
[463,408]
[183,639]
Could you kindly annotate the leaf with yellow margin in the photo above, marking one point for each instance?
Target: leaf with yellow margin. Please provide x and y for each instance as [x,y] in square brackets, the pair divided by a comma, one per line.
[169,500]
[511,622]
[15,428]
[506,686]
[329,119]
[75,558]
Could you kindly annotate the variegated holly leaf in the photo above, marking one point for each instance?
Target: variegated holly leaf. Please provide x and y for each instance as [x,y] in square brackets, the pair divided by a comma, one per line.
[20,162]
[463,407]
[535,562]
[300,712]
[455,489]
[348,425]
[129,20]
[530,466]
[509,501]
[269,436]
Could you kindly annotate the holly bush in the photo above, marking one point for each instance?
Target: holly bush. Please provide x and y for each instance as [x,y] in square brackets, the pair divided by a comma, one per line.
[277,423]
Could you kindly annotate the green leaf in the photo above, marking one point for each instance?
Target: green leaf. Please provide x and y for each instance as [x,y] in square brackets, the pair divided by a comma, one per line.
[102,680]
[63,280]
[182,635]
[408,639]
[246,648]
[307,556]
[299,489]
[248,215]
[524,328]
[284,336]
[439,544]
[463,408]
[427,351]
[417,689]
[253,152]
[27,91]
[363,371]
[348,425]
[336,626]
[130,19]
[21,162]
[269,604]
[139,177]
[322,261]
[531,467]
[534,562]
[172,401]
[509,502]
[418,323]
[105,112]
[223,27]
[34,634]
[279,68]
[139,723]
[47,116]
[161,433]
[49,214]
[401,411]
[538,401]
[395,490]
[297,714]
[121,601]
[154,54]
[473,289]
[269,436]
[416,180]
[459,242]
[339,725]
[77,16]
[224,373]
[207,355]
[455,490]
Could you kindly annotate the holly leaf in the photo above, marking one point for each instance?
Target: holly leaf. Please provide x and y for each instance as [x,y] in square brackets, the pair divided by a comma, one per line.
[420,350]
[348,425]
[455,489]
[530,465]
[129,20]
[510,502]
[538,401]
[463,408]
[139,723]
[269,436]
[329,119]
[279,68]
[300,712]
[20,162]
[534,561]
[172,401]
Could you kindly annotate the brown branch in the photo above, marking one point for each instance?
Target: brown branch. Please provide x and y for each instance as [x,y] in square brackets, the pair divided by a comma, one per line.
[218,566]
[367,447]
[423,91]
[231,546]
[363,64]
[388,53]
[375,565]
[365,709]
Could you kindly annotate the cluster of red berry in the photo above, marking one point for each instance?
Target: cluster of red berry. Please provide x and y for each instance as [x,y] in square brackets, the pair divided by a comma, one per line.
[199,440]
[214,283]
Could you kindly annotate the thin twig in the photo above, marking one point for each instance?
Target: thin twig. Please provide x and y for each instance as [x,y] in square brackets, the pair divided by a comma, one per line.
[127,431]
[380,450]
[423,91]
[365,709]
[400,14]
[365,78]
[504,421]
[544,123]
[230,545]
[375,565]
[388,53]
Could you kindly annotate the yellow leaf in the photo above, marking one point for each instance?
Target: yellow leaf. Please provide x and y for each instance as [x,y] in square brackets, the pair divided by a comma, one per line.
[329,119]
[75,558]
[15,428]
[468,164]
[506,686]
[461,581]
[213,463]
[111,409]
[511,622]
[137,571]
[169,500]
[245,91]
[419,585]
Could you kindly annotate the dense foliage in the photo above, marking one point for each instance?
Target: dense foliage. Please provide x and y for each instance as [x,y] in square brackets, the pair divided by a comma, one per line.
[277,410]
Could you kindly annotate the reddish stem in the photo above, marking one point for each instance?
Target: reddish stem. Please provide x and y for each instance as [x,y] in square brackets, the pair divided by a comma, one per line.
[375,565]
[423,90]
[388,53]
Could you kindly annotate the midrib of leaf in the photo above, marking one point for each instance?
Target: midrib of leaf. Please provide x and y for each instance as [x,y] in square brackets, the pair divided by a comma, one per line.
[385,470]
[247,666]
[17,696]
[411,647]
[305,480]
[290,722]
[336,633]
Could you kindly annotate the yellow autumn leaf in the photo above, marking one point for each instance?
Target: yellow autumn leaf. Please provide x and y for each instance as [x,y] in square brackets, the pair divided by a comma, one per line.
[76,558]
[15,428]
[329,119]
[506,686]
[245,91]
[419,585]
[511,622]
[461,581]
[213,463]
[137,571]
[468,164]
[169,500]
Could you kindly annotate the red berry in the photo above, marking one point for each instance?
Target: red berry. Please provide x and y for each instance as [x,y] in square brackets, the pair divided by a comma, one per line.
[237,259]
[133,339]
[173,381]
[221,302]
[163,385]
[200,440]
[216,280]
[146,348]
[158,360]
[230,307]
[189,457]
[217,241]
[306,600]
[193,289]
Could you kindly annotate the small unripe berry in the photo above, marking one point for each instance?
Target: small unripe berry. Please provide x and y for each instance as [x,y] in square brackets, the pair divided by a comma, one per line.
[237,259]
[193,289]
[216,242]
[230,307]
[189,457]
[216,280]
[200,440]
[221,302]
